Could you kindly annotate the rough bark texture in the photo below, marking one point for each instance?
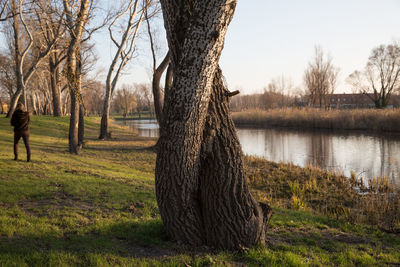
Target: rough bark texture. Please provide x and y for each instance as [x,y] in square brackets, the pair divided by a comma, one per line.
[200,185]
[232,218]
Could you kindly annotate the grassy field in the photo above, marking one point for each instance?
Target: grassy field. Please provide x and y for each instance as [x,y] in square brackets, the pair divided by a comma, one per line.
[99,209]
[384,120]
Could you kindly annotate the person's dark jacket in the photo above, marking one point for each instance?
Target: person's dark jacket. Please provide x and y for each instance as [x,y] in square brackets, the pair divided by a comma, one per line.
[20,121]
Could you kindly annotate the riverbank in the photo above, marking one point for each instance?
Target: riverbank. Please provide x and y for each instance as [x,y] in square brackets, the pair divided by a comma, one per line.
[376,203]
[349,119]
[99,209]
[135,116]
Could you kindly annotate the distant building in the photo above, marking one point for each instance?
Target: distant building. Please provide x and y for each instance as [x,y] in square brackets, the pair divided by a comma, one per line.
[351,101]
[357,101]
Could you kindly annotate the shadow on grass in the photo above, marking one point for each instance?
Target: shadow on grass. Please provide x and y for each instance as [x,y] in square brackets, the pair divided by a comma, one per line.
[129,239]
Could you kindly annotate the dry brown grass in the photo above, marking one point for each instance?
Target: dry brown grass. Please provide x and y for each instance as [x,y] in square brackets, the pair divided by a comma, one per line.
[357,119]
[376,203]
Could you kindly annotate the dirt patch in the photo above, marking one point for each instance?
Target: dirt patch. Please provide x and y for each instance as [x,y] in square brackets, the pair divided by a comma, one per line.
[59,200]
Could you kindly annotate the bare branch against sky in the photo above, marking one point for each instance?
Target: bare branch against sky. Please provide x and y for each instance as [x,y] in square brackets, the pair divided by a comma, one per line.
[268,39]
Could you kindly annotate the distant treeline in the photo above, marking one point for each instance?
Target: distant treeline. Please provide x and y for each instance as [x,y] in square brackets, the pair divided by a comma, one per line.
[268,100]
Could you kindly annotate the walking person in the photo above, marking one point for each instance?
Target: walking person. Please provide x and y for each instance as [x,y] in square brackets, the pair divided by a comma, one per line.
[20,120]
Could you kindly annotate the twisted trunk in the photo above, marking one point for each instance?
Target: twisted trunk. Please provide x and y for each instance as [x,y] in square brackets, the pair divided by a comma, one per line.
[232,218]
[201,189]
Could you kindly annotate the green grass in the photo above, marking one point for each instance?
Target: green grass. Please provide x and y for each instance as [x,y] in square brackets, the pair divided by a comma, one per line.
[99,209]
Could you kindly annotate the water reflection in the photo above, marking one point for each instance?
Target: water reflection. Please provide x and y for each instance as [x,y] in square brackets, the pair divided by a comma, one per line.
[367,155]
[145,128]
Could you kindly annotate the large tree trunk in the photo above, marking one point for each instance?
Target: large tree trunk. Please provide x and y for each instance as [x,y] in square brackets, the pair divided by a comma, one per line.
[232,218]
[200,184]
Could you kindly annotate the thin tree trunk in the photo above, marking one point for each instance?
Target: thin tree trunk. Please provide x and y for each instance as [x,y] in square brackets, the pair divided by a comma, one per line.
[104,125]
[55,89]
[33,101]
[73,69]
[39,104]
[81,126]
[17,58]
[121,58]
[157,94]
[73,125]
[106,115]
[66,102]
[168,78]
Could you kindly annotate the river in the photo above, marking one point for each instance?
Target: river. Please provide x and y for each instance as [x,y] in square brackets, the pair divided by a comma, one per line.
[368,155]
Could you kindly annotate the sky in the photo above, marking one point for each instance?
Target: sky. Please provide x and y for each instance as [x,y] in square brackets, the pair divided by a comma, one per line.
[269,38]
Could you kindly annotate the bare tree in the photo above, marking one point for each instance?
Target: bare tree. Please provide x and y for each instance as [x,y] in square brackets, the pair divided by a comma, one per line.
[50,24]
[77,17]
[381,76]
[201,187]
[133,14]
[144,99]
[125,100]
[320,78]
[93,97]
[7,75]
[5,13]
[24,73]
[158,97]
[277,95]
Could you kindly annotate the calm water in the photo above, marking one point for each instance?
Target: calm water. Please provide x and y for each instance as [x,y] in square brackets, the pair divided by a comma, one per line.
[367,155]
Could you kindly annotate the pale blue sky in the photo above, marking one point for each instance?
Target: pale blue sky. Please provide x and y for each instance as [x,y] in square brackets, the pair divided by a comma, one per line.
[268,38]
